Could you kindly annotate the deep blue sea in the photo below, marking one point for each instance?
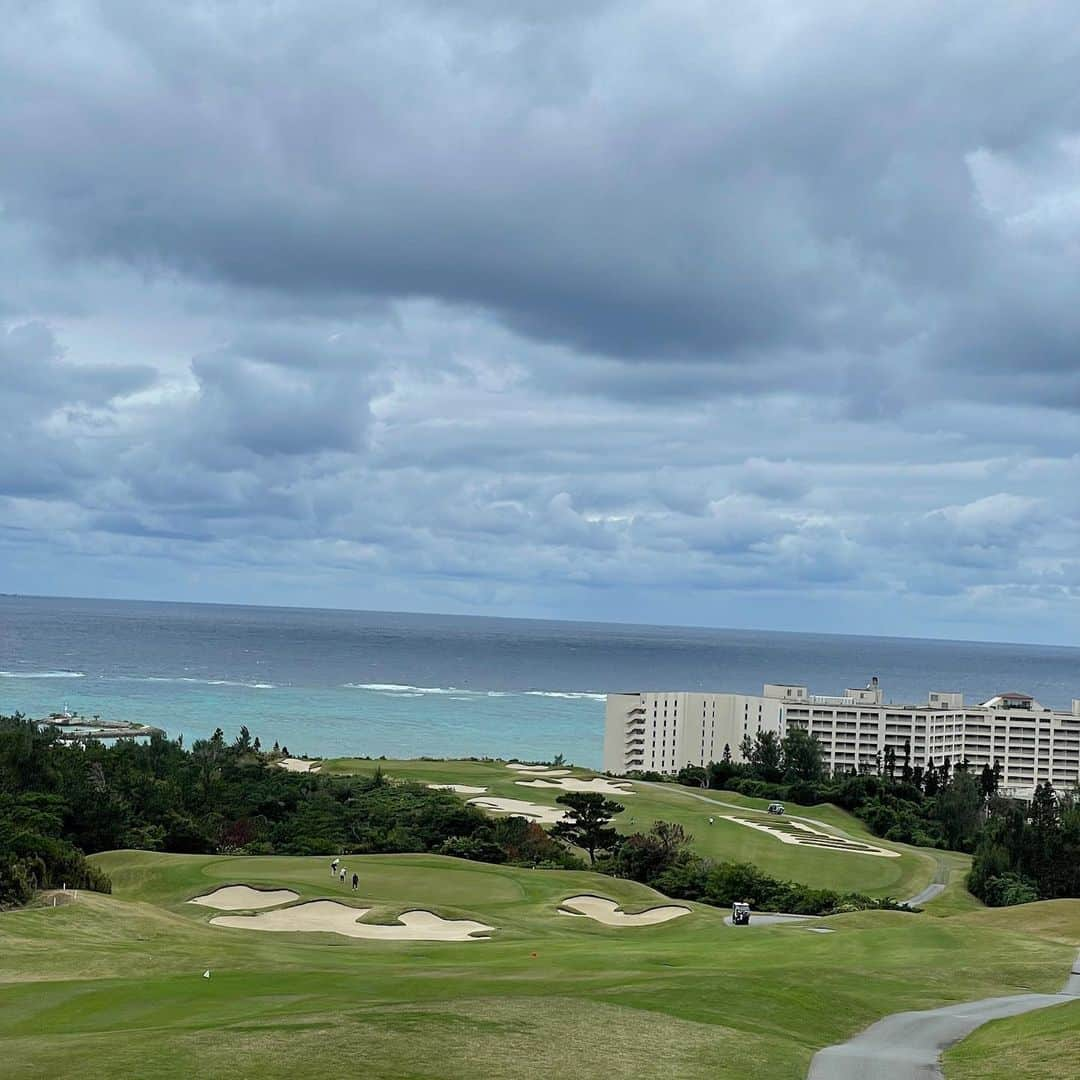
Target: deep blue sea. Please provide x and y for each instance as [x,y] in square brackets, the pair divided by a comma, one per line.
[375,683]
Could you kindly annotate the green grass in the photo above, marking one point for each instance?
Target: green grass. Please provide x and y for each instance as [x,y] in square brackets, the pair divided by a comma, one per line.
[1036,1046]
[724,839]
[114,983]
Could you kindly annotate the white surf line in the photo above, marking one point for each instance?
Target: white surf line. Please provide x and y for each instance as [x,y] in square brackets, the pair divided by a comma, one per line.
[908,1045]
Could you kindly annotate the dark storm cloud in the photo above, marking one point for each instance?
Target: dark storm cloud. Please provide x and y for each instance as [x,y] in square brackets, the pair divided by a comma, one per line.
[526,305]
[638,180]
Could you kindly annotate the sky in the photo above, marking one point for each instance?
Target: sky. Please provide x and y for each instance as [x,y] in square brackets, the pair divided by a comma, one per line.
[762,314]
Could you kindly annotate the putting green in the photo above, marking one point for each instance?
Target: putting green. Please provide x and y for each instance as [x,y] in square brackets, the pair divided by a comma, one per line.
[725,838]
[118,980]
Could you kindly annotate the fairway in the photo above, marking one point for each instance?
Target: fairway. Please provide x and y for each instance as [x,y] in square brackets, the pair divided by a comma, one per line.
[118,980]
[836,864]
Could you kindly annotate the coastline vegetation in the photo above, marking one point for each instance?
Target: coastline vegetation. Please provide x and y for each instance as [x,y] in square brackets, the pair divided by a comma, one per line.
[60,803]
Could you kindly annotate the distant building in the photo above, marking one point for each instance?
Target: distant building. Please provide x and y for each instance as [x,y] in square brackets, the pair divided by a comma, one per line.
[665,730]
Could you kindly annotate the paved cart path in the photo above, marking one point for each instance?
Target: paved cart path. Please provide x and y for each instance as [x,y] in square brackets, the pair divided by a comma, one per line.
[908,1046]
[935,888]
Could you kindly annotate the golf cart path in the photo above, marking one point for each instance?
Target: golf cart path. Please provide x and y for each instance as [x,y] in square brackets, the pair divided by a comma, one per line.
[908,1045]
[772,918]
[934,889]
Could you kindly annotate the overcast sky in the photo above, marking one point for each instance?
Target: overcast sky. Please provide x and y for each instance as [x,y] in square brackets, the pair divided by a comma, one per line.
[760,314]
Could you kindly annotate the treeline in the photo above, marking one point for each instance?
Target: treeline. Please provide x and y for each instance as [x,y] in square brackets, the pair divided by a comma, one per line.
[1028,852]
[60,802]
[662,859]
[940,805]
[1022,851]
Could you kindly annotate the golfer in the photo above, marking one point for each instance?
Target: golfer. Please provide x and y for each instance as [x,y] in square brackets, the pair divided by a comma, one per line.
[355,882]
[333,867]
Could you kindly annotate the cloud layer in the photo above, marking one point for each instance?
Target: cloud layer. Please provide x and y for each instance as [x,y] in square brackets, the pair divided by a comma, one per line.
[599,310]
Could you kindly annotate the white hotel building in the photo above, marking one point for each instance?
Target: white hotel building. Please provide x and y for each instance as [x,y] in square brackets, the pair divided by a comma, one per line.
[664,730]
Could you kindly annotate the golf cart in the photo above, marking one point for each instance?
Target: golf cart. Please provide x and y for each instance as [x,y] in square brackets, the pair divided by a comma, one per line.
[740,914]
[776,808]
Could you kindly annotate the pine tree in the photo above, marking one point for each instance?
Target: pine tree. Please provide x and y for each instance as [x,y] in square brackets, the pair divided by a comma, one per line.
[587,822]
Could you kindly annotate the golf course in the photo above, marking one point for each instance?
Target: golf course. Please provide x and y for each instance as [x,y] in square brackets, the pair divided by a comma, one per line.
[271,966]
[903,874]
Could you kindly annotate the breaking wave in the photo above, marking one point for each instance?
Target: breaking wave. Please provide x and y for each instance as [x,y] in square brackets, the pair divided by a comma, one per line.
[42,674]
[572,694]
[460,694]
[206,682]
[404,690]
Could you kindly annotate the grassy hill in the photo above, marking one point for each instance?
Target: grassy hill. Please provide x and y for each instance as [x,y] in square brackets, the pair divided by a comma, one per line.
[116,981]
[1031,1047]
[726,838]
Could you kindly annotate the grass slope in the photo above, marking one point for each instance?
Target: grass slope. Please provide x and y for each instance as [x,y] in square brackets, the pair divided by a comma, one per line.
[1032,1047]
[116,981]
[724,839]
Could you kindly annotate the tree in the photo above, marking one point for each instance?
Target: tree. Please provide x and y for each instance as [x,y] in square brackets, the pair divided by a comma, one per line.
[587,822]
[931,782]
[959,809]
[767,757]
[693,776]
[726,756]
[644,856]
[558,759]
[889,765]
[802,757]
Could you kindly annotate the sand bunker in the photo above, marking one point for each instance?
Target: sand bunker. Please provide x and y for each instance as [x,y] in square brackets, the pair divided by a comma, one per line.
[292,764]
[548,815]
[330,917]
[539,770]
[795,832]
[610,914]
[461,789]
[245,898]
[574,783]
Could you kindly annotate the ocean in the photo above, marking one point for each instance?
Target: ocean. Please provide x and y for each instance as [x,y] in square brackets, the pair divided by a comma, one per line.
[377,683]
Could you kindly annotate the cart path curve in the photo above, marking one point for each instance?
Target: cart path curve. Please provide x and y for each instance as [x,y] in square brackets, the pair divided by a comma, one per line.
[908,1045]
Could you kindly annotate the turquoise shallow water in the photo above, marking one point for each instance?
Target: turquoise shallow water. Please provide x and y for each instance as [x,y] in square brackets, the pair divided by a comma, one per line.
[334,721]
[342,682]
